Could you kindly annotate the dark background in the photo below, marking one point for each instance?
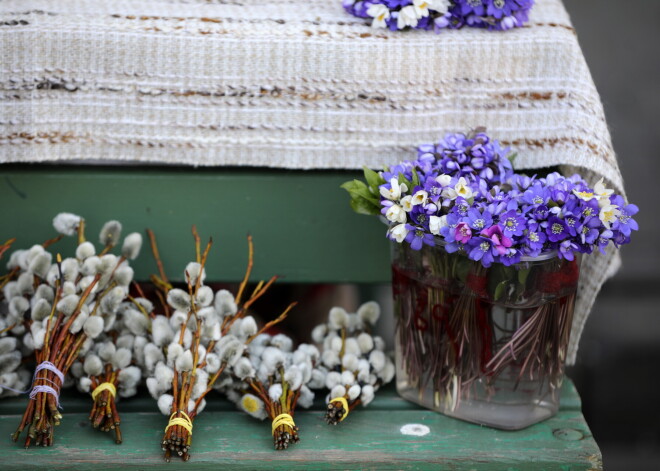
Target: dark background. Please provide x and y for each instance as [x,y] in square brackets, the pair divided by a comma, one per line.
[619,359]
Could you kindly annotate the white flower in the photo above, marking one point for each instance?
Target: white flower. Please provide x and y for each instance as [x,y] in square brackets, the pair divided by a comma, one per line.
[282,342]
[350,361]
[351,346]
[395,213]
[365,342]
[436,223]
[132,246]
[609,213]
[129,377]
[399,232]
[161,331]
[319,332]
[178,299]
[110,233]
[66,223]
[337,318]
[462,189]
[85,250]
[407,17]
[421,8]
[244,369]
[184,362]
[332,379]
[121,359]
[380,13]
[377,360]
[204,296]
[318,379]
[395,190]
[92,365]
[367,394]
[601,192]
[253,406]
[440,6]
[406,203]
[174,350]
[192,273]
[443,179]
[41,264]
[330,358]
[224,303]
[420,197]
[354,392]
[165,404]
[294,377]
[93,326]
[338,391]
[347,378]
[369,312]
[66,305]
[275,392]
[306,398]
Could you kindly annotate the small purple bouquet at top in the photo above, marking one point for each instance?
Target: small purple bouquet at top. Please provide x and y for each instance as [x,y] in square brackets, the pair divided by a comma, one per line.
[441,14]
[464,193]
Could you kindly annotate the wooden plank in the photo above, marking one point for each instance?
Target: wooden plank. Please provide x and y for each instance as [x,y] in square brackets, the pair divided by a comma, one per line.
[302,224]
[369,439]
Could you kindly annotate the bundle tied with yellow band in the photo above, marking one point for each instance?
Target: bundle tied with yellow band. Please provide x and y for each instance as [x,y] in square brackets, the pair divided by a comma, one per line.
[342,413]
[112,390]
[283,419]
[183,421]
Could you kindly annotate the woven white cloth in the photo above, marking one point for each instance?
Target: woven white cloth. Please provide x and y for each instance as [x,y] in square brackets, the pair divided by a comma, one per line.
[293,84]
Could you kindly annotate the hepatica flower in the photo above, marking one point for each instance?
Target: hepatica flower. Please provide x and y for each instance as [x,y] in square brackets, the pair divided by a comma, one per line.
[441,14]
[445,197]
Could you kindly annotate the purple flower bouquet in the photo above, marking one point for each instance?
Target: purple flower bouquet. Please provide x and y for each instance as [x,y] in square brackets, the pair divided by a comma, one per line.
[441,14]
[485,267]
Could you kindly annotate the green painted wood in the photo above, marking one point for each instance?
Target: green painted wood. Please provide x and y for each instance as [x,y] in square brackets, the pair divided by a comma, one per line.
[302,224]
[369,439]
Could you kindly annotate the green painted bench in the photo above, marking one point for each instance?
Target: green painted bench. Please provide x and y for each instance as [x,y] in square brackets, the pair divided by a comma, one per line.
[303,230]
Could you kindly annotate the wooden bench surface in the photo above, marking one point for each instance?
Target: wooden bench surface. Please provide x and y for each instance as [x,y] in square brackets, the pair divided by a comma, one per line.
[371,438]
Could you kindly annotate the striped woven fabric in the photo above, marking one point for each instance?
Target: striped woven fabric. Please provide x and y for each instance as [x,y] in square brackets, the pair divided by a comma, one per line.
[292,84]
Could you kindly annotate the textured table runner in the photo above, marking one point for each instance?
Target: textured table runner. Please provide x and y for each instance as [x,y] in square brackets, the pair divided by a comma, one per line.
[291,84]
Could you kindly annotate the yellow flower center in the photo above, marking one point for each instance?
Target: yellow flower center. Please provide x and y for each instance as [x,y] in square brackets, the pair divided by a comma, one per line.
[250,404]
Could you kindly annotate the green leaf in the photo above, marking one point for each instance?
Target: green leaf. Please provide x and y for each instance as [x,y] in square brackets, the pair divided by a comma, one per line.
[523,273]
[512,157]
[499,289]
[374,180]
[415,178]
[362,206]
[403,179]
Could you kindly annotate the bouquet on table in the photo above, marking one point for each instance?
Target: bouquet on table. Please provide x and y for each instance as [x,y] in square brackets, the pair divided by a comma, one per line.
[485,272]
[441,14]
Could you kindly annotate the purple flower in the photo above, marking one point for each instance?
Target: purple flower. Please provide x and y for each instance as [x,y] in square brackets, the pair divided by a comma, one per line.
[625,223]
[462,233]
[567,249]
[499,240]
[556,229]
[534,240]
[512,223]
[417,237]
[510,257]
[481,250]
[478,220]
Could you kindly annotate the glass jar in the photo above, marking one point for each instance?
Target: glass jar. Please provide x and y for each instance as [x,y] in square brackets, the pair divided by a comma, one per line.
[486,345]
